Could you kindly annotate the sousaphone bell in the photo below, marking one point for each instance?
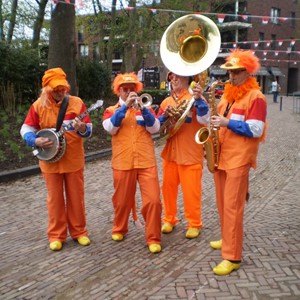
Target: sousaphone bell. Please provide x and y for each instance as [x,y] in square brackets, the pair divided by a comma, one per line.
[188,47]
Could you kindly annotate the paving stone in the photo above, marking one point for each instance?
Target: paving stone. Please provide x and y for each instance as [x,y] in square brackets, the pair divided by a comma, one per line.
[183,270]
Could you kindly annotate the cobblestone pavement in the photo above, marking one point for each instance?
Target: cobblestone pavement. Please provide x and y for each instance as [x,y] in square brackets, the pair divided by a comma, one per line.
[183,270]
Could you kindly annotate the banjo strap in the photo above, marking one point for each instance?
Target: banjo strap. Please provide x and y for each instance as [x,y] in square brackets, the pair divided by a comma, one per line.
[62,112]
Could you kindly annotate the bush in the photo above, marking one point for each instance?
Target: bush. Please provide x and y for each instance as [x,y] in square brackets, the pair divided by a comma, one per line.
[93,80]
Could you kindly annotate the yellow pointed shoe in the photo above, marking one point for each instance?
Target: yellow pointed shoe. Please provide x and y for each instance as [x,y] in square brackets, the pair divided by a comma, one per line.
[154,248]
[167,228]
[192,233]
[83,241]
[117,236]
[55,246]
[225,268]
[216,244]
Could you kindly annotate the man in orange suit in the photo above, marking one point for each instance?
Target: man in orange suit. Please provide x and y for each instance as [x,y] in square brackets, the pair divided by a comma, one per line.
[133,160]
[183,157]
[241,118]
[64,178]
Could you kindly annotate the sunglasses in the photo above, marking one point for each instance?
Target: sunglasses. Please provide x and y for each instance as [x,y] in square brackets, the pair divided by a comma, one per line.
[236,72]
[127,89]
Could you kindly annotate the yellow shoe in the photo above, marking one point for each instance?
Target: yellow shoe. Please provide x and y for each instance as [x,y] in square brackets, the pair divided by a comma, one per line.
[154,248]
[167,228]
[56,245]
[192,233]
[83,241]
[216,244]
[225,267]
[117,237]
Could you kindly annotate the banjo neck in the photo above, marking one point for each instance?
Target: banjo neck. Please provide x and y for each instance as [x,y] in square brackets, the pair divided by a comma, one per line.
[63,129]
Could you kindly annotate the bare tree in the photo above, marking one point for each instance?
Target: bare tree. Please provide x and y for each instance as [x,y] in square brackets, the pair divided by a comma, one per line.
[12,21]
[38,24]
[110,47]
[62,47]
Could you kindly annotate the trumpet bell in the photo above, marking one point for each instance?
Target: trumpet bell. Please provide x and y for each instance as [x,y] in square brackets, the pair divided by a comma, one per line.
[146,99]
[190,45]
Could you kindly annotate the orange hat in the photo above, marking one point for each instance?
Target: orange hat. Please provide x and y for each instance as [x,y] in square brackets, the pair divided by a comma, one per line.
[126,78]
[239,59]
[54,78]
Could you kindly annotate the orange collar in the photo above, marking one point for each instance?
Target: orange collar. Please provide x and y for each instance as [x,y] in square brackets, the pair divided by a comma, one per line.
[237,92]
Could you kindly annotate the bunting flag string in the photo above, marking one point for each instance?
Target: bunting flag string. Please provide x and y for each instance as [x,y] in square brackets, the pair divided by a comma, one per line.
[276,52]
[264,19]
[77,3]
[291,42]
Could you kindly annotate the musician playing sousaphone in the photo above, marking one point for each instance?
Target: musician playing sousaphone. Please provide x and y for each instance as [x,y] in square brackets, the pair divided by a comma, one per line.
[65,176]
[182,157]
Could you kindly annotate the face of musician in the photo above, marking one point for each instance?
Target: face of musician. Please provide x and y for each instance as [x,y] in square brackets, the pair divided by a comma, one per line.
[125,89]
[59,93]
[179,82]
[238,76]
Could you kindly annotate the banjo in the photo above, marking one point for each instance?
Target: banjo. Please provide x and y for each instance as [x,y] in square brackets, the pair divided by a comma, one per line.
[58,149]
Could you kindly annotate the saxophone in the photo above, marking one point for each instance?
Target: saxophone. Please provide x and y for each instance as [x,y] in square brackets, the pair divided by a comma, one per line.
[209,136]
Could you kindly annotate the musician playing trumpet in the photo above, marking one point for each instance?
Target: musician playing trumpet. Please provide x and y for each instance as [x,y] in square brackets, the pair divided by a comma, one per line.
[133,160]
[64,178]
[183,158]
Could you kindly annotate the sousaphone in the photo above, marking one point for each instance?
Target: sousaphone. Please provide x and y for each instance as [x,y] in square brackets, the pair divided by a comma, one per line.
[188,47]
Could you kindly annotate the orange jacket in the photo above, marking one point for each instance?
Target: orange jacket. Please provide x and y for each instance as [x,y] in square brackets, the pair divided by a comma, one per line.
[132,144]
[239,150]
[181,148]
[41,117]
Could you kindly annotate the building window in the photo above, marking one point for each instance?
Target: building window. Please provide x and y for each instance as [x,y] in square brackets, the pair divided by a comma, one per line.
[261,44]
[293,19]
[96,51]
[273,42]
[275,14]
[83,50]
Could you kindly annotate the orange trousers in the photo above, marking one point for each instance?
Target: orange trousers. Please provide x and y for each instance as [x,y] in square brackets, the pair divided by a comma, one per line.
[65,202]
[190,177]
[125,184]
[231,189]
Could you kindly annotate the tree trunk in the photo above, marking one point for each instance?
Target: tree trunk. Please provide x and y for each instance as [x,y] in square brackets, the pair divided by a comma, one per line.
[12,21]
[110,48]
[37,27]
[62,46]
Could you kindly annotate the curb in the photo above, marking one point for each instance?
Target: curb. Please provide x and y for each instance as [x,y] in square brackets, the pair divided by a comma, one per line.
[7,176]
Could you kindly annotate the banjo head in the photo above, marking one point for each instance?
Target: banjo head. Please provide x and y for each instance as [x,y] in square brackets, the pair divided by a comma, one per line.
[49,154]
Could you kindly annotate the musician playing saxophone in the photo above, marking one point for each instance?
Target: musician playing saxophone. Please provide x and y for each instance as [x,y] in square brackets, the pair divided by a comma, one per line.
[241,118]
[183,158]
[64,178]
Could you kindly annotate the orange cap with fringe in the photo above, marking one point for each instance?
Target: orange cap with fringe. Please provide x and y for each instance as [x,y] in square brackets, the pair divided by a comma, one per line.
[239,59]
[126,78]
[55,77]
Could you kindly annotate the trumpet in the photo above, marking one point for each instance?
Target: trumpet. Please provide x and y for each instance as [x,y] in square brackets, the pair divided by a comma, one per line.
[144,100]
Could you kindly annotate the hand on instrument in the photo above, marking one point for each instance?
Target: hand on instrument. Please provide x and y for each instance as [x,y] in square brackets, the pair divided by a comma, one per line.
[197,91]
[43,142]
[219,121]
[169,112]
[78,125]
[131,99]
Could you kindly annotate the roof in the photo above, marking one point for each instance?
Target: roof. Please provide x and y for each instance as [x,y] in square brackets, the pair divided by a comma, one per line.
[263,72]
[216,70]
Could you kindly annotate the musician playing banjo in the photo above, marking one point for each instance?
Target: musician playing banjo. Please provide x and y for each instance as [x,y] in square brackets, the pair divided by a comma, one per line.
[64,176]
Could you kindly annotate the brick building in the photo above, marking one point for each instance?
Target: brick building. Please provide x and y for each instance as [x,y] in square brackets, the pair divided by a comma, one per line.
[270,28]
